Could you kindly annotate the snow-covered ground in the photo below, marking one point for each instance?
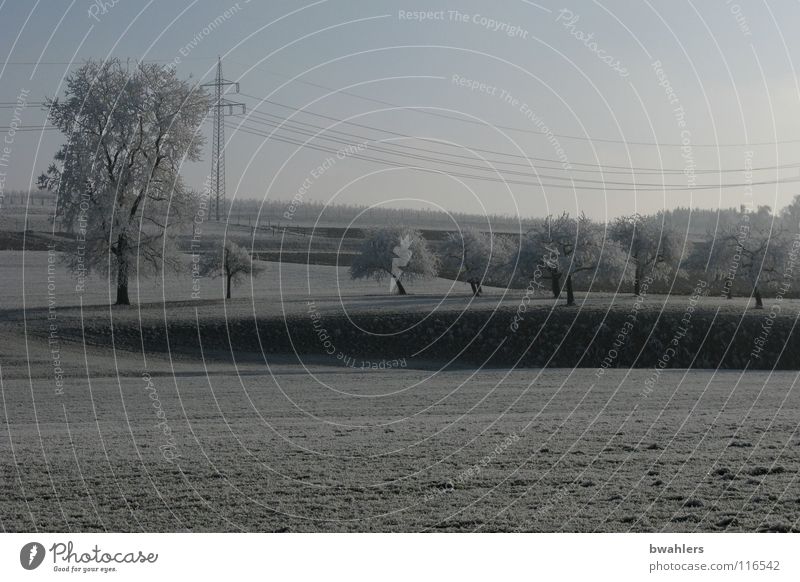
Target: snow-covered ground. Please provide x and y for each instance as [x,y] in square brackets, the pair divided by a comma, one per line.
[285,448]
[92,438]
[28,272]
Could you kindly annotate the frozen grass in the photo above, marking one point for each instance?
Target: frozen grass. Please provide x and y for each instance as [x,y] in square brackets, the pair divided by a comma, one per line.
[398,450]
[283,447]
[288,283]
[27,271]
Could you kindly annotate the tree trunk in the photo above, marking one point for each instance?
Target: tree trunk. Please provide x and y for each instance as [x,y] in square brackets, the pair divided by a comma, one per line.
[555,281]
[757,295]
[637,281]
[228,288]
[400,289]
[570,294]
[480,290]
[122,271]
[729,291]
[122,284]
[474,288]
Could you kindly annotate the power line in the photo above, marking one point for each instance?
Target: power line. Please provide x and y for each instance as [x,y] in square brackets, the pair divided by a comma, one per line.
[83,61]
[412,155]
[445,115]
[571,186]
[526,130]
[599,168]
[220,105]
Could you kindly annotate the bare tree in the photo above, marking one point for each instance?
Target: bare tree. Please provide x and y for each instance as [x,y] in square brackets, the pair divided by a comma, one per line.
[396,253]
[230,261]
[117,177]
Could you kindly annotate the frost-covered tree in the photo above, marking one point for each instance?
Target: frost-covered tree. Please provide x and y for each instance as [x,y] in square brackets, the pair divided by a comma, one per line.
[118,176]
[569,248]
[654,247]
[477,258]
[231,262]
[752,248]
[397,253]
[791,215]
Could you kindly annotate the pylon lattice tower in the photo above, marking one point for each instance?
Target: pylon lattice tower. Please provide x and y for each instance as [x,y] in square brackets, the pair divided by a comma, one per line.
[219,106]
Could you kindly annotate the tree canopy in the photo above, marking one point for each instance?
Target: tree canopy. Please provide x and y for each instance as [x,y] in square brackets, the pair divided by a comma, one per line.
[118,175]
[230,261]
[397,253]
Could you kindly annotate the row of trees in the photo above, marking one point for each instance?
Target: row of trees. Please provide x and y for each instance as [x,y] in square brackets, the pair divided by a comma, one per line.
[119,186]
[757,248]
[558,250]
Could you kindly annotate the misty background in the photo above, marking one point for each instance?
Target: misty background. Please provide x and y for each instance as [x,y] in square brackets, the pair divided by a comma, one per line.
[560,100]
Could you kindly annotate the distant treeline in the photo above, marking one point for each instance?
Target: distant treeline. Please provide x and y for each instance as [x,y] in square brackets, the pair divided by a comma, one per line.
[21,197]
[692,221]
[286,212]
[274,212]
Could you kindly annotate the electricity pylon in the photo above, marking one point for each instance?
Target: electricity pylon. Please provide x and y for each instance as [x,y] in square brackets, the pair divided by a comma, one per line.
[219,107]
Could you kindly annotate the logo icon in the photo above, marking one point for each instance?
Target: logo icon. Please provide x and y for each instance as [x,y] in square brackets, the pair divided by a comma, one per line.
[31,555]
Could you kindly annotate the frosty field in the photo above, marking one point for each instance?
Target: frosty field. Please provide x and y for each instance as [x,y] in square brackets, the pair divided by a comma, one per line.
[331,449]
[94,438]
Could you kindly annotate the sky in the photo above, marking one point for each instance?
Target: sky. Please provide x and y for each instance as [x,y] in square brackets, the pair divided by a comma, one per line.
[516,108]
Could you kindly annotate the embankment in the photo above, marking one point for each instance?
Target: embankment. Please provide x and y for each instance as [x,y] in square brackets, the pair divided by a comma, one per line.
[563,337]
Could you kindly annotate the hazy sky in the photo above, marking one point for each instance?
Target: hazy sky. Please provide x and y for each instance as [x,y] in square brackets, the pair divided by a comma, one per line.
[557,99]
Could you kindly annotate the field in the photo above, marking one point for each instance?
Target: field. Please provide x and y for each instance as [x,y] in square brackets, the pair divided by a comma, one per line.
[271,447]
[209,439]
